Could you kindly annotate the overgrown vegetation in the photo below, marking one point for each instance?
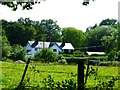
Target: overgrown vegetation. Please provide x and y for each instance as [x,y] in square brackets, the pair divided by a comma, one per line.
[45,55]
[56,77]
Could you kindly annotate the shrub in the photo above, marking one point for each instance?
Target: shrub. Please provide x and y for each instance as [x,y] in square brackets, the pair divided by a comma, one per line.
[46,55]
[112,55]
[78,53]
[67,84]
[19,53]
[6,48]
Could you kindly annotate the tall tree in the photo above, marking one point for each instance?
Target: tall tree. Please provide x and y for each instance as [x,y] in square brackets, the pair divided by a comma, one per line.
[74,36]
[49,30]
[95,35]
[17,33]
[112,41]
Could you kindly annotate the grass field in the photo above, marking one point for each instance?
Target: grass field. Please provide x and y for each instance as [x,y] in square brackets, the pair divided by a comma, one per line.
[12,73]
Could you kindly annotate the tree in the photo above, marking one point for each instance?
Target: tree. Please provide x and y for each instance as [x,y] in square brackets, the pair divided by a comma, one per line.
[18,33]
[6,48]
[110,42]
[49,30]
[14,4]
[27,4]
[74,36]
[95,35]
[117,27]
[108,21]
[4,24]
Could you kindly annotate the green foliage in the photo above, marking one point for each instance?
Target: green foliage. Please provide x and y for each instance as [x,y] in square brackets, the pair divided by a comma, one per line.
[28,5]
[101,82]
[78,53]
[18,53]
[6,48]
[15,4]
[112,55]
[48,30]
[7,60]
[63,76]
[95,35]
[110,42]
[18,33]
[108,21]
[46,55]
[50,84]
[74,36]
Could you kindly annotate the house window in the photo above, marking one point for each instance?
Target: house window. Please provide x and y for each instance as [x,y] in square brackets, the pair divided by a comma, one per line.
[55,50]
[28,51]
[36,49]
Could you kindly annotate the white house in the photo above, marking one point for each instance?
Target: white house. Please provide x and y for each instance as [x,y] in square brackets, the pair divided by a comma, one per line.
[33,46]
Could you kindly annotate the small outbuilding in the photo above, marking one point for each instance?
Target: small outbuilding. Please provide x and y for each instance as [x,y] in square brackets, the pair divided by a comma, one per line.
[94,62]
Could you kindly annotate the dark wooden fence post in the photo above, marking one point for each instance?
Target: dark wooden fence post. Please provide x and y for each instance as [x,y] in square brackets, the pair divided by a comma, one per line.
[87,71]
[81,74]
[25,71]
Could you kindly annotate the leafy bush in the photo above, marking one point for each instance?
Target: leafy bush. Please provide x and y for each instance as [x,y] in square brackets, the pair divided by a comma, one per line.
[67,55]
[19,53]
[6,47]
[78,53]
[46,55]
[112,55]
[67,84]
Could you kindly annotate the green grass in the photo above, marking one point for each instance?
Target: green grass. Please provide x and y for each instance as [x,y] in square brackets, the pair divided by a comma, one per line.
[12,73]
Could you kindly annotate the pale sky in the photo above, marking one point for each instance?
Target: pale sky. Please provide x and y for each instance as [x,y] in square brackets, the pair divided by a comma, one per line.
[67,13]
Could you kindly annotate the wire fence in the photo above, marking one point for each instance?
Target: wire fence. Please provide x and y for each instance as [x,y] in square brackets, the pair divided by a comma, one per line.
[36,74]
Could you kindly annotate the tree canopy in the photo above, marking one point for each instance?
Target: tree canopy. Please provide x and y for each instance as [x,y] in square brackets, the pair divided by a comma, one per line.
[49,30]
[17,33]
[108,22]
[13,4]
[74,36]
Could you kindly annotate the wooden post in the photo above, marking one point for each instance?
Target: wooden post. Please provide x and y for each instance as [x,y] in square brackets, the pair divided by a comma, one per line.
[81,74]
[87,71]
[25,71]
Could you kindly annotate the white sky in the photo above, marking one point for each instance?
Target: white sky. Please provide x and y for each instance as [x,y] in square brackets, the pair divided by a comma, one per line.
[67,13]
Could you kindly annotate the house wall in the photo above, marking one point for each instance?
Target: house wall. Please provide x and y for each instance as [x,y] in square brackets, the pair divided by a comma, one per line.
[31,50]
[35,50]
